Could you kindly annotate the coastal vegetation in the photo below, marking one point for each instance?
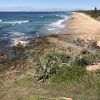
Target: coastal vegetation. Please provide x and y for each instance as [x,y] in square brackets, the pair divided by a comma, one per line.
[93,13]
[52,73]
[52,68]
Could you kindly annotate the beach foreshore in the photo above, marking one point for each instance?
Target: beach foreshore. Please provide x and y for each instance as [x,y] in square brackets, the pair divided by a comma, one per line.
[84,27]
[80,26]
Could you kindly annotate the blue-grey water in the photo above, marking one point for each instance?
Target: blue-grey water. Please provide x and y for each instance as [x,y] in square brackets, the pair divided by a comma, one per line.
[30,24]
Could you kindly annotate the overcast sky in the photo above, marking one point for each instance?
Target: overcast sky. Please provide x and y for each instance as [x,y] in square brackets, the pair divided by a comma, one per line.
[39,5]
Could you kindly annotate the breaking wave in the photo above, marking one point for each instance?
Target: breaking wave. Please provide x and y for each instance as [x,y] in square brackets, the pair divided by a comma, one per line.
[59,23]
[15,22]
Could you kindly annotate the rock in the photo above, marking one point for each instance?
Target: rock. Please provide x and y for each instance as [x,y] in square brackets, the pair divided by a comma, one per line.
[2,56]
[93,67]
[20,45]
[12,68]
[94,43]
[64,98]
[98,44]
[84,51]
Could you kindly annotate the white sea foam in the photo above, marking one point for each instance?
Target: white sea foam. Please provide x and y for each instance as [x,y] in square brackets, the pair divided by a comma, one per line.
[16,22]
[57,15]
[16,34]
[15,41]
[42,16]
[60,23]
[37,34]
[50,29]
[20,39]
[58,32]
[57,26]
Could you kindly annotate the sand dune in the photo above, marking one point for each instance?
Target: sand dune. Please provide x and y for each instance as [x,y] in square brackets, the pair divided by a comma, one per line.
[84,26]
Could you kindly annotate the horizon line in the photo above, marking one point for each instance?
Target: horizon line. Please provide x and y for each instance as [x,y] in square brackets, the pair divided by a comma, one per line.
[32,9]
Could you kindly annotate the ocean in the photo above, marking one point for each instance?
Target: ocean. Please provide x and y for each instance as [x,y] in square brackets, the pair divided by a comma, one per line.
[14,25]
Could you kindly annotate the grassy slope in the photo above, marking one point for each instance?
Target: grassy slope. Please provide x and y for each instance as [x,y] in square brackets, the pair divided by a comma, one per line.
[26,89]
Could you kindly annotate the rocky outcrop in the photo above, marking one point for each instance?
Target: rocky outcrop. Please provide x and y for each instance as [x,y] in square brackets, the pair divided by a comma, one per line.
[98,44]
[64,98]
[20,46]
[2,56]
[93,67]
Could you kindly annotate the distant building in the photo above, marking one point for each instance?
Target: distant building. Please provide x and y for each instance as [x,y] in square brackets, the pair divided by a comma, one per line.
[95,9]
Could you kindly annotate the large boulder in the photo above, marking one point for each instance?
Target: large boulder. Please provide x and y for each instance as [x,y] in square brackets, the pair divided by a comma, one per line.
[93,67]
[98,44]
[64,98]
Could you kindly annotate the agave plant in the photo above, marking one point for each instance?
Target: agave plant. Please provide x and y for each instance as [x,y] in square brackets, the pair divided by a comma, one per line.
[50,64]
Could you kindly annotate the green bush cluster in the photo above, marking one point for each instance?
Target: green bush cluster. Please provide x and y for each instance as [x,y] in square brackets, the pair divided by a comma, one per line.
[85,60]
[28,79]
[50,64]
[69,74]
[60,68]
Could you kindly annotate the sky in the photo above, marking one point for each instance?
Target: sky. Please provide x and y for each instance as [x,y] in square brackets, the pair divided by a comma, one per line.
[39,5]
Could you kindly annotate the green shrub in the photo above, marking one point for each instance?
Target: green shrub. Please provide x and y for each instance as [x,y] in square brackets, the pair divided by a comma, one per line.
[54,35]
[49,64]
[85,60]
[25,80]
[88,59]
[97,55]
[69,74]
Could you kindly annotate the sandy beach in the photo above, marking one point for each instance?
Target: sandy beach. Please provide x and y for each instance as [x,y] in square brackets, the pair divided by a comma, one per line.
[85,27]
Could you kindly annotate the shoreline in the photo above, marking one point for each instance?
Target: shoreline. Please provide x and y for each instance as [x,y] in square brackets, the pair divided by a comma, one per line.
[84,27]
[81,30]
[27,40]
